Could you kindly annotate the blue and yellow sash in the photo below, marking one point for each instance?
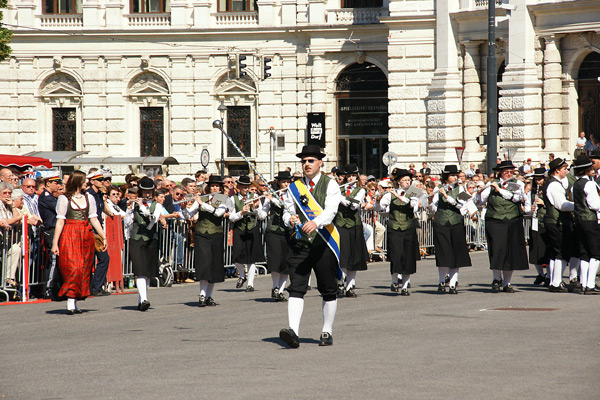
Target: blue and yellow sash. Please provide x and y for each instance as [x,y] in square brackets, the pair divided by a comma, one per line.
[310,208]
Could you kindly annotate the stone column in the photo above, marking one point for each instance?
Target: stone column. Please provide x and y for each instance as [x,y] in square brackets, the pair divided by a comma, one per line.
[288,12]
[316,12]
[201,14]
[552,97]
[266,13]
[472,99]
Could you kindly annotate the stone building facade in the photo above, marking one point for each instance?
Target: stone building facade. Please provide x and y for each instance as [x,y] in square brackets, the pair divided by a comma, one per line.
[146,77]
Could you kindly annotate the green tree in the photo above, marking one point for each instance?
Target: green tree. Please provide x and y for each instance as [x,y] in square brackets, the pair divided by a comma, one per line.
[5,34]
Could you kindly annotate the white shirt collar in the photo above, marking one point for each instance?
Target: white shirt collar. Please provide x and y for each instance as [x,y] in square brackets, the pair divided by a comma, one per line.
[315,179]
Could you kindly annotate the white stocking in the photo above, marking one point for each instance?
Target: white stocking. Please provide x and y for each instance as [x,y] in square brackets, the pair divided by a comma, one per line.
[573,267]
[251,273]
[240,269]
[350,280]
[140,282]
[203,285]
[209,289]
[591,280]
[453,277]
[507,275]
[583,276]
[275,276]
[442,272]
[282,282]
[295,308]
[329,310]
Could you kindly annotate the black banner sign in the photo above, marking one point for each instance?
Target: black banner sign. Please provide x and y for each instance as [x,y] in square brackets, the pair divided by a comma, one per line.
[315,130]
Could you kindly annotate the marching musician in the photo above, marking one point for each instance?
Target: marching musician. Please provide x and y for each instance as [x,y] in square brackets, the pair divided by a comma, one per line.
[403,244]
[208,239]
[353,248]
[449,234]
[247,240]
[586,201]
[314,249]
[534,203]
[278,236]
[504,226]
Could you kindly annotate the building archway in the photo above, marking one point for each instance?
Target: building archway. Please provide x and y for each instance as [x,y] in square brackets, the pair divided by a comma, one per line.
[362,116]
[588,90]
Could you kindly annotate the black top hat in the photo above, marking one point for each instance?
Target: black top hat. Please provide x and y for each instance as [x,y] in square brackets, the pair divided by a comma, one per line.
[450,169]
[582,162]
[506,164]
[335,170]
[215,179]
[311,150]
[244,180]
[539,171]
[398,173]
[350,169]
[146,184]
[556,164]
[283,175]
[594,154]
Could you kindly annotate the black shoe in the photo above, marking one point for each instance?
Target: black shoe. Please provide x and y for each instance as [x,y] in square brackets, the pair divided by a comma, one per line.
[144,305]
[496,285]
[508,289]
[404,292]
[539,280]
[73,312]
[350,293]
[574,286]
[340,290]
[210,302]
[201,301]
[98,293]
[250,289]
[594,290]
[275,293]
[447,279]
[240,283]
[558,289]
[547,282]
[290,338]
[281,298]
[395,287]
[441,287]
[326,339]
[452,290]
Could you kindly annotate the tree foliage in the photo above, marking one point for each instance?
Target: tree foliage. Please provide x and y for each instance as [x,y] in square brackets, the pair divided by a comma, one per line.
[5,34]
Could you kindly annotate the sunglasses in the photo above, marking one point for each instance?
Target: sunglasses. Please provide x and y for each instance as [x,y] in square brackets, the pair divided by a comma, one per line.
[28,186]
[99,179]
[307,161]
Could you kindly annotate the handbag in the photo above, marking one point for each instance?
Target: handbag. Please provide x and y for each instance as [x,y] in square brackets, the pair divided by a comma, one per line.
[98,241]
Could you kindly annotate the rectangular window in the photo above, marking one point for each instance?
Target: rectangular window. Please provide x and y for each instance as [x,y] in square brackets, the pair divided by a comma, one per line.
[62,6]
[152,131]
[239,128]
[362,3]
[64,129]
[237,5]
[280,142]
[150,6]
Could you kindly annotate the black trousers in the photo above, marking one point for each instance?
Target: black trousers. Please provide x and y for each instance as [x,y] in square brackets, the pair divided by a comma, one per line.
[99,278]
[319,258]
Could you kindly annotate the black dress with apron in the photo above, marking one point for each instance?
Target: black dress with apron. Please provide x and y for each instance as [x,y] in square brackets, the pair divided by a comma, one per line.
[402,240]
[449,234]
[247,239]
[538,253]
[143,244]
[353,247]
[209,244]
[277,239]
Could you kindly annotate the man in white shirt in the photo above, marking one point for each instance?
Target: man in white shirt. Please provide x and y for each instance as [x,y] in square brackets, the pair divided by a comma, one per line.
[310,252]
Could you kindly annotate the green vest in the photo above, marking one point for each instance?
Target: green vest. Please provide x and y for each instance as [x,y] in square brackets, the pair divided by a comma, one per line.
[347,217]
[275,222]
[140,230]
[500,208]
[247,222]
[320,194]
[446,213]
[208,222]
[582,211]
[554,216]
[402,215]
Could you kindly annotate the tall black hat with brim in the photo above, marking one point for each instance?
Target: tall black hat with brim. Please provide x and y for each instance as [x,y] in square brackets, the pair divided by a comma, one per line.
[244,180]
[336,170]
[215,179]
[311,150]
[450,169]
[283,175]
[556,164]
[350,169]
[146,184]
[538,172]
[399,173]
[595,154]
[506,164]
[582,162]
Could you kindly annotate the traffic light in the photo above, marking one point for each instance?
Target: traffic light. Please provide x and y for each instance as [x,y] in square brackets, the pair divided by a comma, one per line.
[241,66]
[266,67]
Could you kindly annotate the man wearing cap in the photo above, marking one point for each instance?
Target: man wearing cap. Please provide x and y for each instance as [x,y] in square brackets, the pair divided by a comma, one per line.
[504,226]
[47,209]
[96,183]
[586,201]
[353,248]
[247,240]
[310,251]
[558,222]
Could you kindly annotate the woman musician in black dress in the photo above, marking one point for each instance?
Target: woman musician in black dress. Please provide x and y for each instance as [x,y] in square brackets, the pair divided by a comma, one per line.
[534,203]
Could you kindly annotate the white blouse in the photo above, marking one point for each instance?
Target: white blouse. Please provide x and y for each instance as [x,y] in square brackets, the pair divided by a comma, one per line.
[63,202]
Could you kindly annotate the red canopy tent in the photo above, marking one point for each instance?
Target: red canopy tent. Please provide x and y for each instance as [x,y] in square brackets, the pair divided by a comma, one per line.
[7,160]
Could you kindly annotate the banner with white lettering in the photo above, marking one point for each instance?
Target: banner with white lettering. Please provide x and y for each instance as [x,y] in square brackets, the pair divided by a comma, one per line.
[315,129]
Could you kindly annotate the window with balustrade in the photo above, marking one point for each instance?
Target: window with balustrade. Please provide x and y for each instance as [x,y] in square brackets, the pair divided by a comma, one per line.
[150,6]
[61,6]
[237,5]
[362,3]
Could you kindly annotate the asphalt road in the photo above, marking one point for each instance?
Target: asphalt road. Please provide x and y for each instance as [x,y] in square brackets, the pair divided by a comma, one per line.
[425,346]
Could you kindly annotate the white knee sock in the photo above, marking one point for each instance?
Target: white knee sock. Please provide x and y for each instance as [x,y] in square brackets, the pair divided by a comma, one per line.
[203,285]
[453,277]
[557,272]
[394,278]
[295,308]
[540,269]
[584,266]
[209,289]
[573,267]
[70,304]
[593,270]
[251,273]
[507,275]
[275,278]
[497,274]
[329,310]
[140,282]
[350,279]
[282,282]
[550,270]
[240,269]
[405,281]
[442,272]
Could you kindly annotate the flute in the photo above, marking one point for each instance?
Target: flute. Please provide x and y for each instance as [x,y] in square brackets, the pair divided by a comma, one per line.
[264,195]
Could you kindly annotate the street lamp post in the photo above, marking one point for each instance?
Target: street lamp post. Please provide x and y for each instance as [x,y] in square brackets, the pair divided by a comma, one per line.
[222,109]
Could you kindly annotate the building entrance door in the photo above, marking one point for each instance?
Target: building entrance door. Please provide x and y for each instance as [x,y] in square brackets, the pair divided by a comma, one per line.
[366,153]
[588,89]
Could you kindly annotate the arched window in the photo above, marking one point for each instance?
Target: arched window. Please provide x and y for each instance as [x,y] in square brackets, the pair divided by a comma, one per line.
[588,89]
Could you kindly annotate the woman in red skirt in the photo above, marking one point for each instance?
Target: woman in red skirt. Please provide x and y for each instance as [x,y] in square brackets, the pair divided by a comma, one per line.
[74,240]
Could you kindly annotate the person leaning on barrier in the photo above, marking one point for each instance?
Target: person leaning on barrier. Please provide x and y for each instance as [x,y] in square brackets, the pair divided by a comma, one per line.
[504,226]
[534,203]
[449,235]
[9,221]
[403,244]
[47,209]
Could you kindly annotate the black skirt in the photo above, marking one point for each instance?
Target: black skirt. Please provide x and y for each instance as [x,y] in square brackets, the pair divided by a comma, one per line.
[208,257]
[353,248]
[559,241]
[144,257]
[506,244]
[247,246]
[403,251]
[278,250]
[538,253]
[450,242]
[589,234]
